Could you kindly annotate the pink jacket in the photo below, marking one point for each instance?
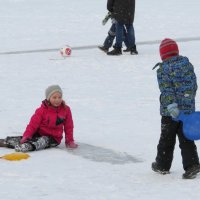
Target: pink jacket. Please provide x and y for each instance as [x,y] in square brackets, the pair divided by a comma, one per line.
[50,121]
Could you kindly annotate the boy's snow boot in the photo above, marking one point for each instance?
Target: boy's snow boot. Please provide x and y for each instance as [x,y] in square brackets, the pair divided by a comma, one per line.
[134,50]
[191,172]
[103,48]
[25,147]
[115,52]
[128,49]
[156,168]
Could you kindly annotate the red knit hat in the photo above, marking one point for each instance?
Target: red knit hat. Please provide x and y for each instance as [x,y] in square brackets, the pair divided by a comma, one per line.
[168,48]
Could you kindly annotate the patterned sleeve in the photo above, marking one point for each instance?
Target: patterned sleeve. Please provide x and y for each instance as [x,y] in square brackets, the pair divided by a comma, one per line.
[187,81]
[186,86]
[177,83]
[165,84]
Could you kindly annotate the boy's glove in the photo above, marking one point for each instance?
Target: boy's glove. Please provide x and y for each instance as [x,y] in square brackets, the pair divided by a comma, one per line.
[106,18]
[173,110]
[71,145]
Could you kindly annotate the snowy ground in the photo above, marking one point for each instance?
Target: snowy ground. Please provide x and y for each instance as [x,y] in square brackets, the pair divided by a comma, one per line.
[114,100]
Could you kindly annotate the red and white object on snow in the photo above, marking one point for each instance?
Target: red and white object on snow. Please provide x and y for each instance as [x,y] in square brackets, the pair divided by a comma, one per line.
[66,51]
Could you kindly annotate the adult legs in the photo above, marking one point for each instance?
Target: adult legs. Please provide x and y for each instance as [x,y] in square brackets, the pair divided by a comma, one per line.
[110,38]
[131,38]
[125,40]
[119,39]
[119,35]
[130,34]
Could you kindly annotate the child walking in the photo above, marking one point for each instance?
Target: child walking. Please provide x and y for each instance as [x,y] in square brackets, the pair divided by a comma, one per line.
[177,83]
[46,126]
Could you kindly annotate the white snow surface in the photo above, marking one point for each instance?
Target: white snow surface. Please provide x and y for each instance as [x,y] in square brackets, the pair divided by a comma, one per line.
[114,100]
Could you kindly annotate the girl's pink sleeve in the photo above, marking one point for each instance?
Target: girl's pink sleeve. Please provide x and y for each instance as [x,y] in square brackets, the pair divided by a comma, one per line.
[68,127]
[34,124]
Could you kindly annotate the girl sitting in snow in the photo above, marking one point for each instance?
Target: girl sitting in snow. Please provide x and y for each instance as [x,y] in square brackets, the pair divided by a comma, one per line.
[46,126]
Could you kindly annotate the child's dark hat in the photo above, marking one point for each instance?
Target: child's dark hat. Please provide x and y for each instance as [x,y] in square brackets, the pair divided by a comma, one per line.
[168,48]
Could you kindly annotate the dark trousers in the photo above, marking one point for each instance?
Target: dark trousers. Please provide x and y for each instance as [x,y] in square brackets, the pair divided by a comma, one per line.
[111,36]
[165,148]
[130,35]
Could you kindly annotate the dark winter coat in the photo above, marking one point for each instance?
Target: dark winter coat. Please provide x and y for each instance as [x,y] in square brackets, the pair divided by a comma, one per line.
[122,10]
[50,121]
[177,83]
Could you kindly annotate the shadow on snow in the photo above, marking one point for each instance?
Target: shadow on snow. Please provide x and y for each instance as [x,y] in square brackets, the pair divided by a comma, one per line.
[101,154]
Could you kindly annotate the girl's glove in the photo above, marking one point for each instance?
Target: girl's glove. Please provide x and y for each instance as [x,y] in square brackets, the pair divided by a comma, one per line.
[24,139]
[71,145]
[173,110]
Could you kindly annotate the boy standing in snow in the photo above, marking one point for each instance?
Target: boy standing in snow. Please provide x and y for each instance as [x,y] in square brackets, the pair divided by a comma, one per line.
[46,126]
[177,84]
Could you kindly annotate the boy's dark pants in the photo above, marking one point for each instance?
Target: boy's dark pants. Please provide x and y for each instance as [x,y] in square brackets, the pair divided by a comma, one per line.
[165,148]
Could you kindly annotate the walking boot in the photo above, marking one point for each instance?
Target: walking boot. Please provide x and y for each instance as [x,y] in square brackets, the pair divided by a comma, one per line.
[115,52]
[191,172]
[156,168]
[103,48]
[128,49]
[134,50]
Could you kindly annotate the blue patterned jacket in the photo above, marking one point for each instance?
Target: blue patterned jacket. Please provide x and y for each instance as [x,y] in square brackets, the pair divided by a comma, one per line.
[177,84]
